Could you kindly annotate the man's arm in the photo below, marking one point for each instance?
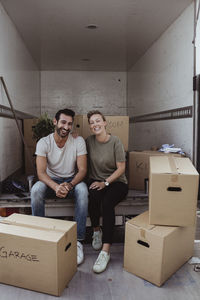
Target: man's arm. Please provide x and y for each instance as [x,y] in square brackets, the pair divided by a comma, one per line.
[41,163]
[82,169]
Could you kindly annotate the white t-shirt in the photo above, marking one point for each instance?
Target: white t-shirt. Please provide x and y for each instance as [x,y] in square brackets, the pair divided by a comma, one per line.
[61,162]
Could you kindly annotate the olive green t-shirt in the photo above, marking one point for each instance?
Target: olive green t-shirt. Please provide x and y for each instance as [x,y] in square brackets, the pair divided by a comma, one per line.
[102,158]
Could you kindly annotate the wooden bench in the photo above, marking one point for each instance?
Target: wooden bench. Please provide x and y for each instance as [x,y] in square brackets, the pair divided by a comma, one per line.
[135,203]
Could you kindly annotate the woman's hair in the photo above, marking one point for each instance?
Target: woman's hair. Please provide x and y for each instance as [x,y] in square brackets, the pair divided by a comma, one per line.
[95,112]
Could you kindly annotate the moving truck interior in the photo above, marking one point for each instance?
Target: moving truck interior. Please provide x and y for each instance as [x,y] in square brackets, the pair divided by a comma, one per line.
[135,58]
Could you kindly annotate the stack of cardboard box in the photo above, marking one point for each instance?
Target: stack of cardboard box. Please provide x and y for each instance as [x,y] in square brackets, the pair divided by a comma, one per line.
[160,241]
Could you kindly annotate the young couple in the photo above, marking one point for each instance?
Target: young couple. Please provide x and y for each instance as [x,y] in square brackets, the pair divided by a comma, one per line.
[61,167]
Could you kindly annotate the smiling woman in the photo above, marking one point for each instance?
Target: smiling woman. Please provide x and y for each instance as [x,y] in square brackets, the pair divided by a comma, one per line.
[107,184]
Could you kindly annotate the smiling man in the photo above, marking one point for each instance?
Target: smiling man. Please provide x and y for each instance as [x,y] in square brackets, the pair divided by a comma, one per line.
[61,166]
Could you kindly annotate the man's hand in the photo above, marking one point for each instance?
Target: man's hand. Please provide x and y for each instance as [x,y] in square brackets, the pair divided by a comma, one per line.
[61,191]
[68,185]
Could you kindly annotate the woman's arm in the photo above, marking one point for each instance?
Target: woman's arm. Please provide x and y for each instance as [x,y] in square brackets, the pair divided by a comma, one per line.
[116,174]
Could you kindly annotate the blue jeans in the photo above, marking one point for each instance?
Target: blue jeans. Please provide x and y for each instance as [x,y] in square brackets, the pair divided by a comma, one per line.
[40,191]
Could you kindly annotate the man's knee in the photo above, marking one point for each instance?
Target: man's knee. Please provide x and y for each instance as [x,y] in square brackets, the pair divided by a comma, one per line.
[81,189]
[81,195]
[38,191]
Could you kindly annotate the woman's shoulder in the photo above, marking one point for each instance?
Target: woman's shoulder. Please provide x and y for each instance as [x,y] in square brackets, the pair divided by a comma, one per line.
[90,138]
[115,138]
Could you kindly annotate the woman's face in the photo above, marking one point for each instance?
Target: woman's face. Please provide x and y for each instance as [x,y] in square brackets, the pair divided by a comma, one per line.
[97,124]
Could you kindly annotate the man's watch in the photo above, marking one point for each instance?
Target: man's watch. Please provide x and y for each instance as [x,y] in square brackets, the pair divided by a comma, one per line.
[106,183]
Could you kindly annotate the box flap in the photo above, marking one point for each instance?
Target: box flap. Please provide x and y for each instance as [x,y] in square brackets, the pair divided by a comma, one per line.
[38,222]
[142,221]
[171,165]
[185,166]
[35,227]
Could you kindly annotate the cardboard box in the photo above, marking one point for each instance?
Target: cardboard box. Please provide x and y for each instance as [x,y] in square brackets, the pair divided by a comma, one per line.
[173,191]
[156,252]
[37,253]
[28,133]
[116,125]
[29,154]
[138,167]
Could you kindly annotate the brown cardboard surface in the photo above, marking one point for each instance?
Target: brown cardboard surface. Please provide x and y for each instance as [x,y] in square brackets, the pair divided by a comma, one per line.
[28,133]
[116,125]
[156,252]
[139,167]
[37,253]
[29,154]
[173,191]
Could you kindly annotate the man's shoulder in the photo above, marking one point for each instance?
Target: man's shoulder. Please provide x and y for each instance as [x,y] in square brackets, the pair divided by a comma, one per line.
[45,140]
[78,140]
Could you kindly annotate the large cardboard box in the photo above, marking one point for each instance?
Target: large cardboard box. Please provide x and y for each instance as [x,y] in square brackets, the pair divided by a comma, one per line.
[37,253]
[156,252]
[116,125]
[173,190]
[28,133]
[30,160]
[138,167]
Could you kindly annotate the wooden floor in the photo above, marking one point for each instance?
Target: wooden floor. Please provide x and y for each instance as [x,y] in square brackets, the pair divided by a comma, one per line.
[117,284]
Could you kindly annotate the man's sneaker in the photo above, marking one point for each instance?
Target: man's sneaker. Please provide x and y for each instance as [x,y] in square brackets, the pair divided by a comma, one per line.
[101,262]
[97,240]
[80,255]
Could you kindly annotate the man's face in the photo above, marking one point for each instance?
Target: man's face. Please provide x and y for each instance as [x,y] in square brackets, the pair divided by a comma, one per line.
[64,125]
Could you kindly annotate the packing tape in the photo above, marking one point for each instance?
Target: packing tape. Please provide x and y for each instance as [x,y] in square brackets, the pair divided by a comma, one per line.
[172,164]
[174,178]
[142,233]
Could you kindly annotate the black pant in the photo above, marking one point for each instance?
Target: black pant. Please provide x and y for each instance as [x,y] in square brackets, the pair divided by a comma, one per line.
[104,201]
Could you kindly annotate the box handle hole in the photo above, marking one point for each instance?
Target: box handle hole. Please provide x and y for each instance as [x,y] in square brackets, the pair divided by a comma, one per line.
[68,246]
[174,189]
[143,243]
[77,126]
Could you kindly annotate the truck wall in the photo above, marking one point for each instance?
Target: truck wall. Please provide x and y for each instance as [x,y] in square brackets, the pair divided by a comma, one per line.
[198,44]
[83,91]
[162,80]
[23,82]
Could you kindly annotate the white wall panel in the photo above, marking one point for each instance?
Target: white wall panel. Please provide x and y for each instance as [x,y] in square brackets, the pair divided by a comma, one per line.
[22,78]
[18,69]
[198,42]
[162,80]
[11,148]
[83,91]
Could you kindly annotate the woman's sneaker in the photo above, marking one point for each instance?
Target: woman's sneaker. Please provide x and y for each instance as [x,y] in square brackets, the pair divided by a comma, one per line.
[97,240]
[101,262]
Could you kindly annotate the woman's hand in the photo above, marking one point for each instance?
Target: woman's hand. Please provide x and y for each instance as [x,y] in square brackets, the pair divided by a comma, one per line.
[74,134]
[96,185]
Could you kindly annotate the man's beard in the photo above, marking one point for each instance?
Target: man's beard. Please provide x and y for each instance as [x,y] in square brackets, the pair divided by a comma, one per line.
[62,132]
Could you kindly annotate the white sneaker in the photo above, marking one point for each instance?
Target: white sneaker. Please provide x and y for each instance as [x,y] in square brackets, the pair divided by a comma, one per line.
[80,254]
[97,240]
[101,262]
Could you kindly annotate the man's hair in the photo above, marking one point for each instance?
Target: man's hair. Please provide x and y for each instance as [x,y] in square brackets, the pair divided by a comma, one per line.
[66,111]
[95,112]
